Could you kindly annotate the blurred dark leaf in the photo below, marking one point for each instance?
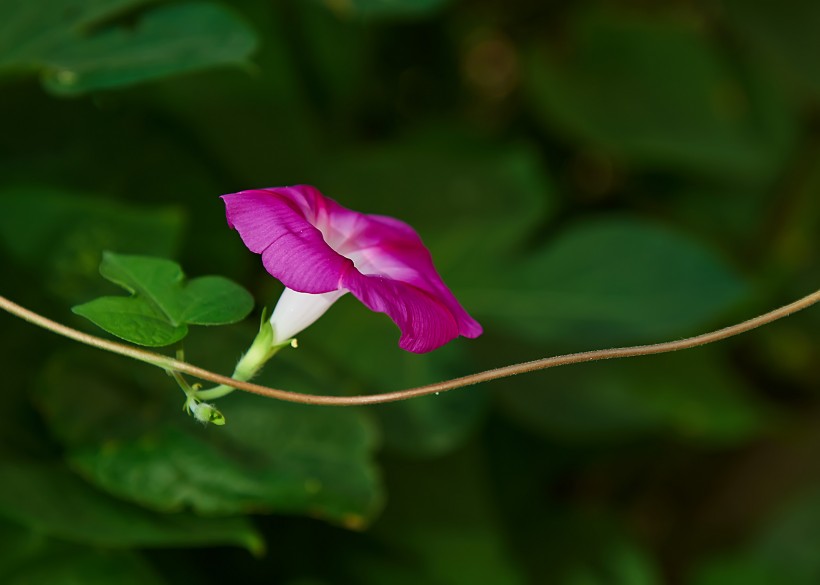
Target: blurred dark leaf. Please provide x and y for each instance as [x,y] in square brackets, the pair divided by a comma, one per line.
[432,425]
[47,498]
[734,214]
[18,544]
[784,35]
[341,54]
[559,531]
[611,280]
[21,431]
[655,91]
[471,201]
[241,126]
[29,558]
[371,360]
[695,397]
[384,8]
[129,437]
[434,175]
[621,563]
[738,571]
[162,304]
[61,235]
[440,529]
[790,542]
[785,551]
[77,48]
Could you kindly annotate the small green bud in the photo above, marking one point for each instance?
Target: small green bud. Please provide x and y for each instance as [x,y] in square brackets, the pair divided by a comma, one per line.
[205,413]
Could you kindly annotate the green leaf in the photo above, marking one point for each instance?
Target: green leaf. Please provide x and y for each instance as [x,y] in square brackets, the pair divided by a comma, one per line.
[614,280]
[162,305]
[77,48]
[61,235]
[132,320]
[385,8]
[128,437]
[29,558]
[655,91]
[47,498]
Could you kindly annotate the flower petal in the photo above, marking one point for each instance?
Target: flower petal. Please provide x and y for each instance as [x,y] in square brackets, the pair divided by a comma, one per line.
[391,248]
[425,323]
[293,249]
[314,245]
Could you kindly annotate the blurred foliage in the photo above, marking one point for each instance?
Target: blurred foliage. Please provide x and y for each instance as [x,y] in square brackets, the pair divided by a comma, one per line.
[670,99]
[72,231]
[585,174]
[80,46]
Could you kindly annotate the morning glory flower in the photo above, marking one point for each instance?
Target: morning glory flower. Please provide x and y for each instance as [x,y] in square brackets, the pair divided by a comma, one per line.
[320,251]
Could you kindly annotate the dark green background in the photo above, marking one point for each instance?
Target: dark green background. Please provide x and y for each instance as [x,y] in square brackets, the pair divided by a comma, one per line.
[585,174]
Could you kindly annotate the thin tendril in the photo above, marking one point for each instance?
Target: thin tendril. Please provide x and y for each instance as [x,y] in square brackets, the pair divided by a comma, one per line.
[169,363]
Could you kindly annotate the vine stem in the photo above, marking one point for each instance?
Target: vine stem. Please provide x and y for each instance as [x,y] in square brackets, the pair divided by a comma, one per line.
[169,363]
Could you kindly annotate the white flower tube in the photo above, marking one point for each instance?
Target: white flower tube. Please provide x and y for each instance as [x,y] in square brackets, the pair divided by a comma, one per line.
[295,311]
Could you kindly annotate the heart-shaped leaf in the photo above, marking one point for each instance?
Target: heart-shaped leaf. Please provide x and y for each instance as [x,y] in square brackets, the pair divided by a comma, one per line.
[162,304]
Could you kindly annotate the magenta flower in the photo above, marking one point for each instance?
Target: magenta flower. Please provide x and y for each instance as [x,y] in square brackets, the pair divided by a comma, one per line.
[321,250]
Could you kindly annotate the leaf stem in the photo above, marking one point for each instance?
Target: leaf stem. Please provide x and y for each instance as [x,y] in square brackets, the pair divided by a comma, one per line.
[486,376]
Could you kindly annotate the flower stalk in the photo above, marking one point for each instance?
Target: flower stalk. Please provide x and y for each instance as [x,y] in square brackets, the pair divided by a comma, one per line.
[262,349]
